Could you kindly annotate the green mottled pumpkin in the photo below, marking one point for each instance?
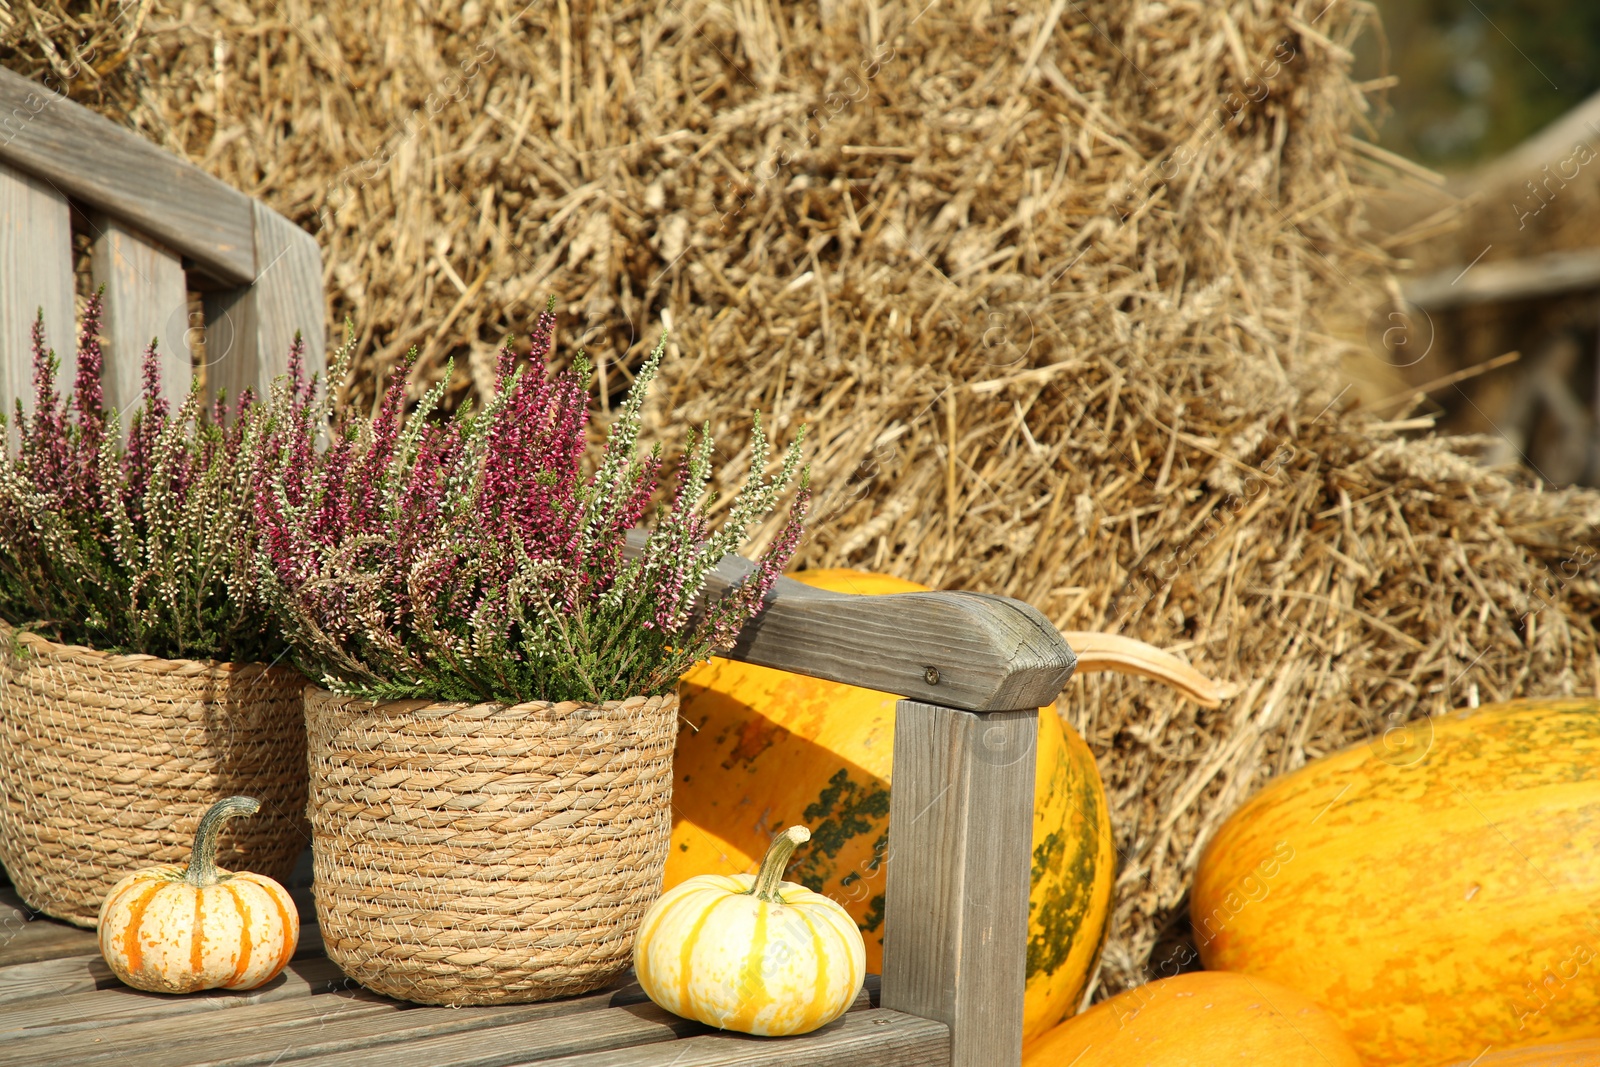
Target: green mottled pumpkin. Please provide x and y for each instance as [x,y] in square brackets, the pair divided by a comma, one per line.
[762,749]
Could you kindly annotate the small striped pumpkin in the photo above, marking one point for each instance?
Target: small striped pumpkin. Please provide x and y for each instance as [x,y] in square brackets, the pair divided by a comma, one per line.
[751,953]
[172,929]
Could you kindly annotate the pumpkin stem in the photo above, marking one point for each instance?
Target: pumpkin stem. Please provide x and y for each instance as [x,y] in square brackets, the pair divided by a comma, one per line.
[773,863]
[203,860]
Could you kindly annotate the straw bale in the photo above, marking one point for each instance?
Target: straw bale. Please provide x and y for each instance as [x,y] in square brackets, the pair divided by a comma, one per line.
[1053,312]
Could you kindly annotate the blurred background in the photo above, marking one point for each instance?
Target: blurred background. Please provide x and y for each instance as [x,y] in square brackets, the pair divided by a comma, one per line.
[1476,77]
[1498,314]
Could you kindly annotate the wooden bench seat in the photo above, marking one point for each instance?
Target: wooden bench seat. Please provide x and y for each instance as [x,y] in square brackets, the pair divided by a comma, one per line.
[59,1004]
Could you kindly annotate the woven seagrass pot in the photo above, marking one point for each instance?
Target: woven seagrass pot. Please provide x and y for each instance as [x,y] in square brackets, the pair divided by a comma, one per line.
[108,761]
[488,853]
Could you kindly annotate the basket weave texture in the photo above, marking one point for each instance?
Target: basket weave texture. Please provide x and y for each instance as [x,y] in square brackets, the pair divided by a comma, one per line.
[108,761]
[487,853]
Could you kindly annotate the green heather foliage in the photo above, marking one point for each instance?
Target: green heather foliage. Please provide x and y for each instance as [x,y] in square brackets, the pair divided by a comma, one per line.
[144,546]
[471,559]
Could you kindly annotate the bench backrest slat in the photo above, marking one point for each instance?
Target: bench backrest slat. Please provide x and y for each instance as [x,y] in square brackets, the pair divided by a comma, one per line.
[93,160]
[35,274]
[146,299]
[249,329]
[972,651]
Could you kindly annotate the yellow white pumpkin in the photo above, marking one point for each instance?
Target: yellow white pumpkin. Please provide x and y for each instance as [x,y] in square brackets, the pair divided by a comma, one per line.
[751,952]
[172,929]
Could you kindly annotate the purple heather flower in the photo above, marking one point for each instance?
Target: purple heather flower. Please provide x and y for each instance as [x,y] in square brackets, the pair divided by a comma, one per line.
[474,559]
[108,543]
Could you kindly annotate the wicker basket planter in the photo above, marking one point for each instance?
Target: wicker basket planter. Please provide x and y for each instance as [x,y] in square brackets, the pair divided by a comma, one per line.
[107,763]
[490,853]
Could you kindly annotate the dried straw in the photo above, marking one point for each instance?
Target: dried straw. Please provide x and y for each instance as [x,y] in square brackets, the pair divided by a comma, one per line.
[1056,331]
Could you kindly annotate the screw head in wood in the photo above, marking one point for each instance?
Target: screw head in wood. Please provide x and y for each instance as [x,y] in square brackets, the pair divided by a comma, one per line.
[930,675]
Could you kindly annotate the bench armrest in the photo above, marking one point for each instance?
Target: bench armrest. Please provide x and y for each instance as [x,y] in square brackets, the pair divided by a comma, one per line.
[974,669]
[971,651]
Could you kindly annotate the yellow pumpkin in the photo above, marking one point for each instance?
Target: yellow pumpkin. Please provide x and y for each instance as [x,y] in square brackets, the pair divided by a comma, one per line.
[751,953]
[1437,897]
[764,748]
[1201,1019]
[172,929]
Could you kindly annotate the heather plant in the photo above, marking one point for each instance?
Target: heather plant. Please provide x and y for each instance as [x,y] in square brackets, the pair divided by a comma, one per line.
[138,545]
[473,559]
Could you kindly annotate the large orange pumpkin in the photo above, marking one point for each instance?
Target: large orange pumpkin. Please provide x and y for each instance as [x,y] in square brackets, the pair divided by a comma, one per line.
[1203,1019]
[1584,1053]
[1437,897]
[761,749]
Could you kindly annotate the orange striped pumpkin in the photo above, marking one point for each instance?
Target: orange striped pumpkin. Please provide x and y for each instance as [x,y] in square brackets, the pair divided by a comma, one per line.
[751,953]
[171,929]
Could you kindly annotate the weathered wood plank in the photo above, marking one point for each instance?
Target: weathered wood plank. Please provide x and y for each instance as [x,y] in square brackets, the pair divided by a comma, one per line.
[35,273]
[147,298]
[288,295]
[314,1027]
[542,1038]
[320,1018]
[322,1024]
[259,1030]
[27,937]
[41,1016]
[334,1008]
[43,939]
[1507,175]
[249,329]
[57,977]
[961,650]
[93,160]
[968,650]
[876,1037]
[84,972]
[1502,280]
[956,914]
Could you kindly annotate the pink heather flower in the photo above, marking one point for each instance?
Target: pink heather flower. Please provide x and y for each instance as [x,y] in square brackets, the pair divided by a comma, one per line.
[96,549]
[475,560]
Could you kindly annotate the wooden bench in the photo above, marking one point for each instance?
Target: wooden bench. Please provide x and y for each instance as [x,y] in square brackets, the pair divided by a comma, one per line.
[159,229]
[972,668]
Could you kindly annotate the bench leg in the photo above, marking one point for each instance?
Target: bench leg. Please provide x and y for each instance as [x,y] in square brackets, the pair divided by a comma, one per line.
[960,840]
